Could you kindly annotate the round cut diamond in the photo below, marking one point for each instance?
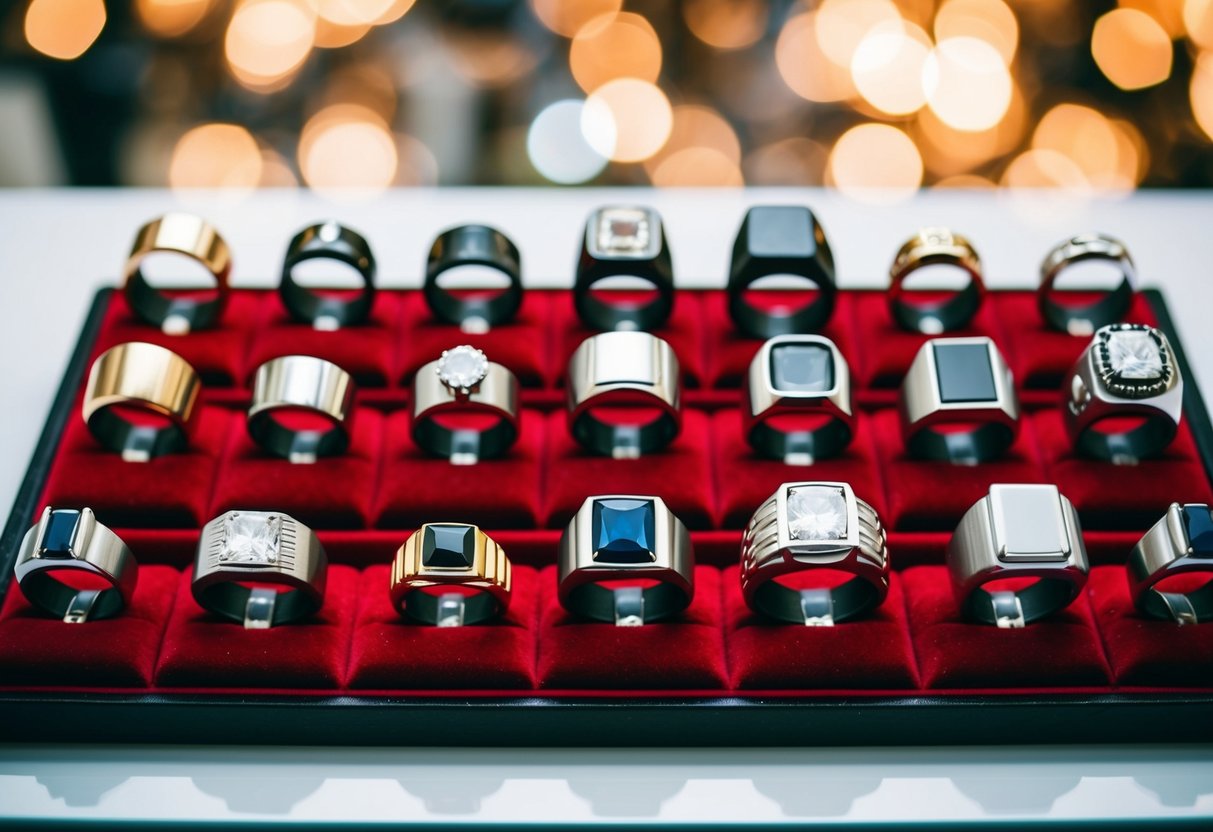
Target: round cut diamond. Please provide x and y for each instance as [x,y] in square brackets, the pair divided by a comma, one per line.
[1133,353]
[463,367]
[250,538]
[817,513]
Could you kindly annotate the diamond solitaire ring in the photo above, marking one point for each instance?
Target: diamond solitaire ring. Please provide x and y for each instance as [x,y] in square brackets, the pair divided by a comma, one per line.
[263,548]
[454,557]
[624,241]
[1128,370]
[464,384]
[807,526]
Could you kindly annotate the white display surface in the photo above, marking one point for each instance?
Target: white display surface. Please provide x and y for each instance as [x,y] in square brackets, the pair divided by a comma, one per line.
[59,246]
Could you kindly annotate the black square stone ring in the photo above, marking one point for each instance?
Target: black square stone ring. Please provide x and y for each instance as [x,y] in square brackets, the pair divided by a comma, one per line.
[796,403]
[481,308]
[450,575]
[1180,543]
[465,407]
[954,310]
[958,402]
[328,309]
[624,241]
[1127,372]
[780,241]
[1083,318]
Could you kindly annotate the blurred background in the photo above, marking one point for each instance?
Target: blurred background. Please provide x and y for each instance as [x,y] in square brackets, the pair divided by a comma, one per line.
[1095,96]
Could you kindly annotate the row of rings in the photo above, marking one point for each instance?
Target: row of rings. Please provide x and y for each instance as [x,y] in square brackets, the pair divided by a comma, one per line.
[452,573]
[626,241]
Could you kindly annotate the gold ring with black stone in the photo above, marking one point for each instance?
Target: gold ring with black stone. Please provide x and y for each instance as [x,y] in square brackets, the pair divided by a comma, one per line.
[435,566]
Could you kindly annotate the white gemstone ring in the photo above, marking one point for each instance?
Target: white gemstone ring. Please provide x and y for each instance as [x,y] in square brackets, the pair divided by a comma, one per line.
[808,526]
[1128,370]
[464,383]
[624,241]
[260,547]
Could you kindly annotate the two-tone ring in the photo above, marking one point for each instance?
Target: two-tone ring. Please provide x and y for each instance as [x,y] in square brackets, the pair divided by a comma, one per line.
[805,527]
[624,241]
[935,247]
[449,575]
[295,385]
[1180,543]
[193,238]
[1108,307]
[473,245]
[462,382]
[325,309]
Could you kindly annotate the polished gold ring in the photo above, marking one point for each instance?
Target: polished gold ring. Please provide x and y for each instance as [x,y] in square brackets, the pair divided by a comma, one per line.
[454,556]
[191,237]
[930,247]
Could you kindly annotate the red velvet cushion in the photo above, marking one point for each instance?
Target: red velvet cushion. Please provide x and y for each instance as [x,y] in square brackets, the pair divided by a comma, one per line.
[683,653]
[1110,496]
[1059,651]
[865,653]
[366,351]
[390,652]
[1144,650]
[419,488]
[524,345]
[680,473]
[744,479]
[927,495]
[332,492]
[203,650]
[219,355]
[39,649]
[167,491]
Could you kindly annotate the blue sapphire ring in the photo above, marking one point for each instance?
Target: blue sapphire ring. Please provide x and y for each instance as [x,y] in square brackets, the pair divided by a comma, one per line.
[450,574]
[626,538]
[1181,542]
[71,539]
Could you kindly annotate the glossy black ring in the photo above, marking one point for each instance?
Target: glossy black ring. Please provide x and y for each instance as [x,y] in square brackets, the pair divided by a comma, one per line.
[328,241]
[473,245]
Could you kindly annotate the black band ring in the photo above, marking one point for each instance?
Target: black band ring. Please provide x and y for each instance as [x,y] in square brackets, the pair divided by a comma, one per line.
[330,241]
[473,245]
[624,242]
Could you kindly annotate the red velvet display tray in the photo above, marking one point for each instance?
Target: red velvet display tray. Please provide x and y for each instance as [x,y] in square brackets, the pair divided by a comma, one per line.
[913,672]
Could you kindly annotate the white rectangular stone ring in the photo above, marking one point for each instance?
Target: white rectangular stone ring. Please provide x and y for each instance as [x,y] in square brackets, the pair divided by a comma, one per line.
[801,536]
[244,557]
[1017,531]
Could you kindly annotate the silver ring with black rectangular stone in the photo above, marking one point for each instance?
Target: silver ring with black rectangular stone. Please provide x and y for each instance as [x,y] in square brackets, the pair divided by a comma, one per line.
[461,382]
[795,376]
[958,402]
[1180,543]
[814,525]
[1128,370]
[623,537]
[268,549]
[71,539]
[1017,531]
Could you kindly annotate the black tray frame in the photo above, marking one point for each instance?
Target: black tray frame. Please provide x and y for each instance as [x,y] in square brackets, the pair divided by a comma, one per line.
[538,720]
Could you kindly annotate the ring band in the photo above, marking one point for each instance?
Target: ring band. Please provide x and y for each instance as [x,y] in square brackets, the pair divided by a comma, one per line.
[624,241]
[69,539]
[1086,318]
[1128,370]
[266,548]
[1017,531]
[631,369]
[473,245]
[624,537]
[301,383]
[1181,542]
[464,381]
[798,375]
[330,241]
[192,237]
[958,381]
[145,377]
[781,240]
[814,525]
[930,247]
[450,555]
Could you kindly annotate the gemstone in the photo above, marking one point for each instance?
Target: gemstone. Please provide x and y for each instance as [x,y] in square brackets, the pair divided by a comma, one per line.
[1133,353]
[60,534]
[624,531]
[448,546]
[802,368]
[624,232]
[462,367]
[780,231]
[964,372]
[1028,522]
[1198,523]
[817,512]
[250,538]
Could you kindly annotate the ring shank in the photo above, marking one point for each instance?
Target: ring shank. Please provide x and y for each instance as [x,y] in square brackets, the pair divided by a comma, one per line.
[1039,600]
[229,598]
[662,600]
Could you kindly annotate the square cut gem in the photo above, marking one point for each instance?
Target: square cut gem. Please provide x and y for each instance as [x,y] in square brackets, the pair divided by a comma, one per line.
[817,512]
[448,546]
[625,232]
[1134,354]
[1028,523]
[1198,524]
[802,368]
[59,536]
[964,372]
[624,531]
[251,538]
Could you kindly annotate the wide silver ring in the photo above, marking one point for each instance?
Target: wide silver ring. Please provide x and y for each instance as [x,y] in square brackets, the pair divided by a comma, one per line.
[622,537]
[1109,307]
[1181,542]
[64,539]
[463,381]
[1128,370]
[1017,531]
[301,383]
[624,369]
[261,547]
[814,525]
